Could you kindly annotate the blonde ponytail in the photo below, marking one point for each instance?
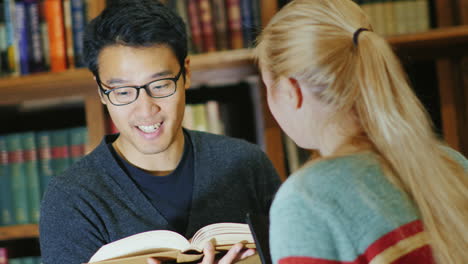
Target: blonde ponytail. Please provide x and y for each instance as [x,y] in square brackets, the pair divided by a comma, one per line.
[313,42]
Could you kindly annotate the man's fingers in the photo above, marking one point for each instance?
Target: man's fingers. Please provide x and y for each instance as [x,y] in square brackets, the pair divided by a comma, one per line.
[152,261]
[209,254]
[232,254]
[247,253]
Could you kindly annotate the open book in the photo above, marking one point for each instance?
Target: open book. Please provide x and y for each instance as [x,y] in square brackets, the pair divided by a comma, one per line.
[169,245]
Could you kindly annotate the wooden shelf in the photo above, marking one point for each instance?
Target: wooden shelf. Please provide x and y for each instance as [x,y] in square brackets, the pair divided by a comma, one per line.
[436,43]
[19,232]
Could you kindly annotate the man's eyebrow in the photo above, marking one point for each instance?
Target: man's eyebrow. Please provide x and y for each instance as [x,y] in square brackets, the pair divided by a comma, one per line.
[116,81]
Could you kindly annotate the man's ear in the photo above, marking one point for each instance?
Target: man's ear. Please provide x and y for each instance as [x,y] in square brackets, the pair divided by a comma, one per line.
[187,73]
[296,92]
[103,101]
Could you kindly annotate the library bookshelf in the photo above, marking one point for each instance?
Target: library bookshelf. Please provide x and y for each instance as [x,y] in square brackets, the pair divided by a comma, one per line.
[216,67]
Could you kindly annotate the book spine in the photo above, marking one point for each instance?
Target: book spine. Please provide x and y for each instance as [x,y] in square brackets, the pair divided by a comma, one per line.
[213,116]
[188,121]
[44,28]
[28,140]
[6,201]
[199,114]
[60,151]
[18,178]
[56,30]
[77,143]
[78,24]
[3,42]
[181,9]
[423,22]
[45,159]
[389,17]
[195,26]
[36,62]
[12,47]
[234,24]
[256,18]
[206,19]
[21,33]
[67,18]
[220,24]
[247,22]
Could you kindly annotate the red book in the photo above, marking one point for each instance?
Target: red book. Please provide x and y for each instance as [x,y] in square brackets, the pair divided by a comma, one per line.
[209,41]
[235,24]
[195,26]
[54,16]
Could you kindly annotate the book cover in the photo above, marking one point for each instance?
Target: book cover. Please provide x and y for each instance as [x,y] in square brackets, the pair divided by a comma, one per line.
[234,24]
[181,10]
[60,151]
[195,26]
[35,49]
[44,29]
[206,21]
[6,196]
[19,185]
[28,140]
[220,24]
[3,42]
[170,245]
[22,36]
[12,45]
[247,22]
[45,159]
[57,39]
[67,19]
[78,140]
[78,25]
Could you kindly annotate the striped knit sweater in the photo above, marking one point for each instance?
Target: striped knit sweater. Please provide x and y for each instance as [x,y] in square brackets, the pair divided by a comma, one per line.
[345,211]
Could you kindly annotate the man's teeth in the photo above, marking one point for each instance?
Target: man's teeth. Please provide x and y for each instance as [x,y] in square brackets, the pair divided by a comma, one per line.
[149,129]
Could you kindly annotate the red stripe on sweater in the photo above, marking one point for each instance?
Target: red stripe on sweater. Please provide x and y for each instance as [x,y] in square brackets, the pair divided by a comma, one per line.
[420,255]
[393,237]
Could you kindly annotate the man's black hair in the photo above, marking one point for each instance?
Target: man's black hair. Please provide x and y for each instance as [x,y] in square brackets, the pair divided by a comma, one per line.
[134,23]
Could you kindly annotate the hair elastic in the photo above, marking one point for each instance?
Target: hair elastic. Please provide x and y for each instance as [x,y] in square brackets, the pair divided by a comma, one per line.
[356,35]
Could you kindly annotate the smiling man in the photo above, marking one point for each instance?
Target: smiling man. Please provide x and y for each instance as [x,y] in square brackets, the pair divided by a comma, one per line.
[154,174]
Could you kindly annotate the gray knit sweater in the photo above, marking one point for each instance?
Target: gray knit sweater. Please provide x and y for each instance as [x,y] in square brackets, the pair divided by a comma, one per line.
[94,202]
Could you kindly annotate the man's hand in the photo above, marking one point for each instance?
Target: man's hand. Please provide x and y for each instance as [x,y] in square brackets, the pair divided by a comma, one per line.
[236,253]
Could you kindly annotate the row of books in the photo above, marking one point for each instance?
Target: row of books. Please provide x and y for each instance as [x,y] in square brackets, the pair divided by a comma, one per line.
[25,260]
[28,160]
[393,17]
[41,35]
[214,25]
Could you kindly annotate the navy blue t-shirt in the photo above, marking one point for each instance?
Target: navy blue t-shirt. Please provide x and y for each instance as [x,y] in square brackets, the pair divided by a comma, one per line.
[170,194]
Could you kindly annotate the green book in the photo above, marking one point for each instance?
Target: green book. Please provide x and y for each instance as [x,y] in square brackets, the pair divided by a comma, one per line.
[45,159]
[31,166]
[19,185]
[6,196]
[60,151]
[78,139]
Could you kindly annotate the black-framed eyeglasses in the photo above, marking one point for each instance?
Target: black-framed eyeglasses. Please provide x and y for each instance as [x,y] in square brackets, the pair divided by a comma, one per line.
[128,94]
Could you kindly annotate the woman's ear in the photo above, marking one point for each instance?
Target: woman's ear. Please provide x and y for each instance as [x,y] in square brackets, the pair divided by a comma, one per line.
[295,92]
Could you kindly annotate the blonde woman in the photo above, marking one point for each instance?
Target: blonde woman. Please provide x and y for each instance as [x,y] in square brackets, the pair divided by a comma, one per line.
[383,189]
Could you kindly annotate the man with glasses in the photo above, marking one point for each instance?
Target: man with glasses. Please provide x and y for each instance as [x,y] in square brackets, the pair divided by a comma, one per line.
[154,174]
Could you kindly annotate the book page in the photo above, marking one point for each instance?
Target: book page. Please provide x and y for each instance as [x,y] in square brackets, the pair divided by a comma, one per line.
[142,243]
[222,234]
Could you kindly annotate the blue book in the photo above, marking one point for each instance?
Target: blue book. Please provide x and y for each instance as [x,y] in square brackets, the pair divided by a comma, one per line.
[78,24]
[36,52]
[6,201]
[22,36]
[60,151]
[247,22]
